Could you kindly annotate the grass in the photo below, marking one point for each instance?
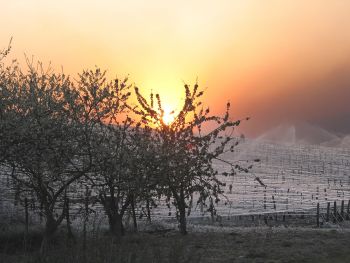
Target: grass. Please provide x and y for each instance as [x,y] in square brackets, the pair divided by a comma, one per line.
[236,245]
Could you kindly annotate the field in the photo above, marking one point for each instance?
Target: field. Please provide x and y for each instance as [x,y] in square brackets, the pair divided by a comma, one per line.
[260,244]
[297,177]
[252,223]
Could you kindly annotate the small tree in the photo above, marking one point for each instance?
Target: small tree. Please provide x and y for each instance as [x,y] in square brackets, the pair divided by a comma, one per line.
[105,112]
[186,148]
[44,142]
[5,93]
[145,169]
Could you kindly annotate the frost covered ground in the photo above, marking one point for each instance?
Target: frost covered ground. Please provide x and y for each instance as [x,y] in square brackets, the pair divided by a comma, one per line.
[297,177]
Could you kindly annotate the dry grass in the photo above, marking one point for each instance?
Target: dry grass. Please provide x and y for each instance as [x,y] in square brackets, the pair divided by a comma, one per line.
[238,245]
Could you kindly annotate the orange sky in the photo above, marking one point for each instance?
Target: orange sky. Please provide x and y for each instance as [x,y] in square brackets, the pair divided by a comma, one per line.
[274,60]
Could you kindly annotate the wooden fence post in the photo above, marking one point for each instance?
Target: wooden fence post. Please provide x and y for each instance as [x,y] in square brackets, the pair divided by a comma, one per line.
[274,202]
[335,212]
[86,217]
[318,215]
[134,213]
[348,211]
[148,211]
[328,211]
[26,216]
[342,210]
[26,231]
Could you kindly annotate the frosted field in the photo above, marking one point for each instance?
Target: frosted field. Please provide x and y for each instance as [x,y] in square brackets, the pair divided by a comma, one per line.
[297,177]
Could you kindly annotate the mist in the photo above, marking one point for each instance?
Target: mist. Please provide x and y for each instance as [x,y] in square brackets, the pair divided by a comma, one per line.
[322,101]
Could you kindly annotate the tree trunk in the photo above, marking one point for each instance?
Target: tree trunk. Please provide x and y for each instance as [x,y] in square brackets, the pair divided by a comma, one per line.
[148,211]
[182,218]
[182,210]
[116,224]
[50,228]
[70,234]
[134,214]
[181,206]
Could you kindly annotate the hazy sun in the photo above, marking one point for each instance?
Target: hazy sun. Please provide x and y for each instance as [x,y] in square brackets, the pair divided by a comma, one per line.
[169,115]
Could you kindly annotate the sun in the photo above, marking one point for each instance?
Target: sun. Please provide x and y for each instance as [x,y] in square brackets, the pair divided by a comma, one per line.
[169,115]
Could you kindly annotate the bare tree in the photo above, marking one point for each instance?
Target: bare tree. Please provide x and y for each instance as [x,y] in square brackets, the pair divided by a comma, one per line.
[186,148]
[5,93]
[54,132]
[45,145]
[106,106]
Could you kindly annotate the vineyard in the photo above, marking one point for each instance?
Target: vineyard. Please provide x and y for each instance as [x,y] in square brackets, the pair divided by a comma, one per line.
[294,179]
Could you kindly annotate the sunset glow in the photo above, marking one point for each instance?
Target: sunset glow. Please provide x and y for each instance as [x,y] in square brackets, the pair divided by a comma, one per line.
[126,125]
[275,61]
[169,115]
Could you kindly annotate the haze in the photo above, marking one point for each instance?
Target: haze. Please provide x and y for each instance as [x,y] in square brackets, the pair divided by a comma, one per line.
[276,61]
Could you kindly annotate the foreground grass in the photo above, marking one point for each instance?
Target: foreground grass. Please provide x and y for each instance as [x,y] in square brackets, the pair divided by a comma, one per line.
[236,245]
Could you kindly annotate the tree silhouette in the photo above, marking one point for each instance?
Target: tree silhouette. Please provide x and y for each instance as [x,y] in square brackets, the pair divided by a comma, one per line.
[186,148]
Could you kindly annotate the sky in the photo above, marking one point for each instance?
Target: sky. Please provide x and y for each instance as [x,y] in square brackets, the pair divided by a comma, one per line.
[275,61]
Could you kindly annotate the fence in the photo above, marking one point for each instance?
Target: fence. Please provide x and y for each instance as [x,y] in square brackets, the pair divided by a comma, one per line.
[297,178]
